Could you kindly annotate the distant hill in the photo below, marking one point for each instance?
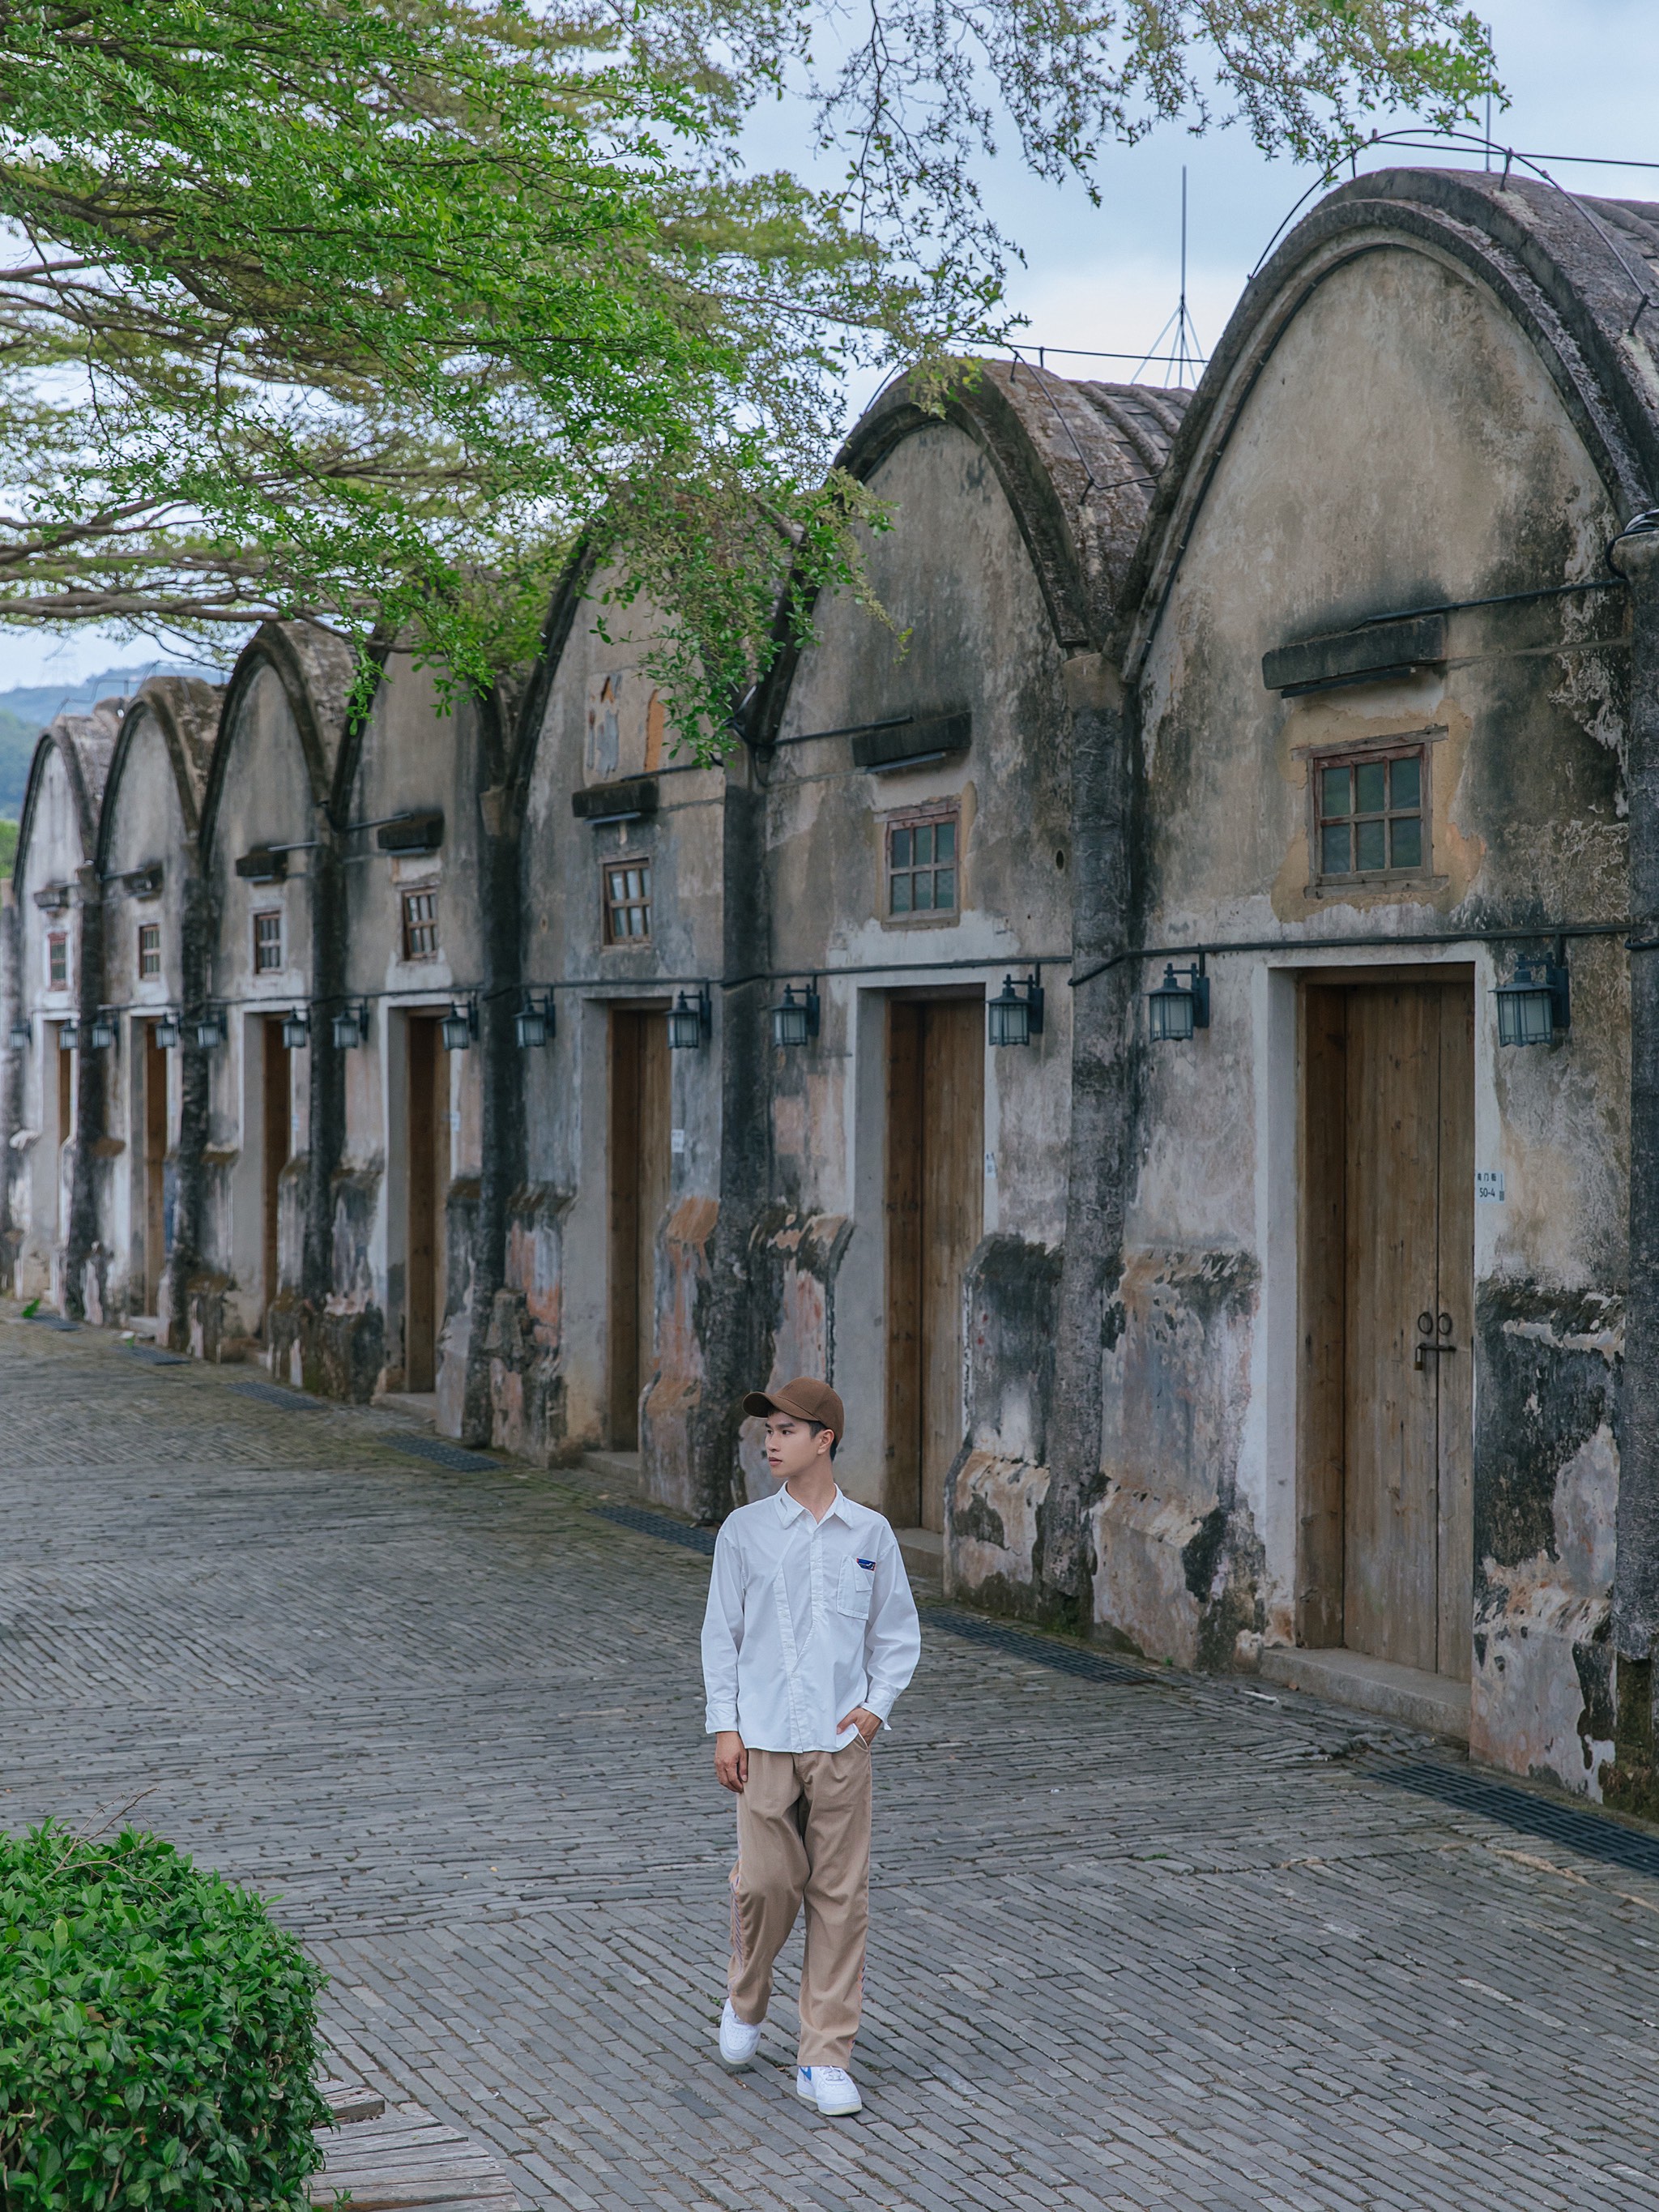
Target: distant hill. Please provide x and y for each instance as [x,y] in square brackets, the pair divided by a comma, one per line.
[27,708]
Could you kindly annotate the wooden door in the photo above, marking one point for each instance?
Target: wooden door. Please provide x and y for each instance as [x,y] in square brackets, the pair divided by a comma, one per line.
[278,1111]
[1454,1362]
[155,1167]
[639,1168]
[421,1241]
[935,1212]
[66,1061]
[1386,1389]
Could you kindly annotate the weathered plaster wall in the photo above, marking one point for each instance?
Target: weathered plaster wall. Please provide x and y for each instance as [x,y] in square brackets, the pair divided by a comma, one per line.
[412,755]
[54,857]
[595,716]
[150,822]
[265,794]
[1402,446]
[973,633]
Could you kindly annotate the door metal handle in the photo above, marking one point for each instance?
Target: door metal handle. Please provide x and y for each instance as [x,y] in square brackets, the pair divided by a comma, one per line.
[1426,1351]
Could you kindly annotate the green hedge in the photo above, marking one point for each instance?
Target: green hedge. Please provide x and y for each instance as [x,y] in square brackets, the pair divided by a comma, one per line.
[157,2035]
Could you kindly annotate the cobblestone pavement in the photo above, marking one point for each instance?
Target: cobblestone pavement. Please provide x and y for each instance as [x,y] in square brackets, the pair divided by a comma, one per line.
[1140,1941]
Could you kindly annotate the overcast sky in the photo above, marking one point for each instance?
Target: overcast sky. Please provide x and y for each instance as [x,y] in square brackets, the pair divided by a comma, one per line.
[1584,79]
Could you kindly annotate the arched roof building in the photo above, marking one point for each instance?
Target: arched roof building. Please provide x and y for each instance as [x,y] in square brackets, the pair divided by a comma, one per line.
[145,873]
[52,955]
[916,846]
[1380,1319]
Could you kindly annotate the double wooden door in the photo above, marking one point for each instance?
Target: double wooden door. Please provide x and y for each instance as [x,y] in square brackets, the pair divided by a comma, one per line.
[935,1214]
[1388,1290]
[155,1108]
[429,1157]
[640,1168]
[276,1072]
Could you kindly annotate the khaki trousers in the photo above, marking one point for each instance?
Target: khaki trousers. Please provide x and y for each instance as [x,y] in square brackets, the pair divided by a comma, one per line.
[804,1837]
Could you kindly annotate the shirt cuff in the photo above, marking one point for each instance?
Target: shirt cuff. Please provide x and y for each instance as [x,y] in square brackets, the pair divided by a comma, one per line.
[880,1706]
[720,1717]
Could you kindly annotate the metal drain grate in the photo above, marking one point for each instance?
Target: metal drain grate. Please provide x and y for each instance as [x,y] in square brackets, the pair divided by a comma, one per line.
[660,1524]
[272,1394]
[443,1454]
[1042,1651]
[1590,1834]
[148,1356]
[52,1320]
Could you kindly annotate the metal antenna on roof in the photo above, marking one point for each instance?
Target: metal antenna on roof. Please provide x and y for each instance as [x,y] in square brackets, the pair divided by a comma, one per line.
[1180,358]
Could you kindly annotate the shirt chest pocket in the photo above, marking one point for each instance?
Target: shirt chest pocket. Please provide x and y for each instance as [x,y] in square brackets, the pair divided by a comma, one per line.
[853,1591]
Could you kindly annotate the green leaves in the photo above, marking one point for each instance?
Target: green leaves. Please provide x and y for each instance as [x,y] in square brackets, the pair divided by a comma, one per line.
[157,2035]
[363,310]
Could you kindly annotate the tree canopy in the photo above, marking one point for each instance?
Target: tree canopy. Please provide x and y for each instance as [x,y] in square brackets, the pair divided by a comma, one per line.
[361,310]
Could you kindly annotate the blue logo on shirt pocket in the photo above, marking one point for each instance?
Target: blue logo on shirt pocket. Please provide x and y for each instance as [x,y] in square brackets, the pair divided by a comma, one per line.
[868,1562]
[855,1590]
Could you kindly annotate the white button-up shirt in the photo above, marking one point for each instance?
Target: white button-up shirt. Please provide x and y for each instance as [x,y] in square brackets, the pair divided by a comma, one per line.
[806,1619]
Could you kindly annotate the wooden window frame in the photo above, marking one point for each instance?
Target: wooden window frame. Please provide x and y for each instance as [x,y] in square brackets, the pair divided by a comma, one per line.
[150,952]
[417,927]
[930,815]
[57,942]
[610,907]
[262,966]
[1418,746]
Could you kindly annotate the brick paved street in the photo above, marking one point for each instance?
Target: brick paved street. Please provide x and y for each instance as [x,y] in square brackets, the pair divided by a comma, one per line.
[1139,1942]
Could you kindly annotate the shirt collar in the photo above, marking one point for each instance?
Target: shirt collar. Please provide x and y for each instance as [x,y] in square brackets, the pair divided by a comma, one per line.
[790,1508]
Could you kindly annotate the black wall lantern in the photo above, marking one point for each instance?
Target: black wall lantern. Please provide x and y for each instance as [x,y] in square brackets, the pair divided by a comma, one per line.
[534,1024]
[1175,1009]
[208,1029]
[349,1027]
[1015,1015]
[1535,1003]
[68,1035]
[22,1036]
[165,1030]
[296,1029]
[795,1020]
[459,1026]
[690,1021]
[101,1035]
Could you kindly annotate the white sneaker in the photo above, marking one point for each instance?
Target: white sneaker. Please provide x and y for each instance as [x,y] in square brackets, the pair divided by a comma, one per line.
[831,2088]
[737,2039]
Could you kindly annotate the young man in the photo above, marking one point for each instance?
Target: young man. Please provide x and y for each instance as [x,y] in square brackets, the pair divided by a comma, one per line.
[810,1636]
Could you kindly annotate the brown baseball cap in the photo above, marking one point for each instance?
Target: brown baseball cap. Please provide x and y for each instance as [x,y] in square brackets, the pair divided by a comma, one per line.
[807,1398]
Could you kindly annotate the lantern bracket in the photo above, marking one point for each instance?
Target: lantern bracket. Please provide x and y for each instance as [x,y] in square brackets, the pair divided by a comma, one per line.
[1189,998]
[1532,982]
[1014,1017]
[535,1024]
[690,1021]
[795,1018]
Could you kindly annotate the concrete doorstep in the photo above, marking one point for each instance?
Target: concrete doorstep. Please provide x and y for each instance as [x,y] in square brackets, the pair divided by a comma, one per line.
[1433,1702]
[621,1469]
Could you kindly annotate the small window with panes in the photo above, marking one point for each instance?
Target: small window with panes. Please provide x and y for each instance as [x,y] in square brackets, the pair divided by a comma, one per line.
[420,925]
[268,941]
[150,951]
[923,861]
[1370,815]
[58,961]
[626,888]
